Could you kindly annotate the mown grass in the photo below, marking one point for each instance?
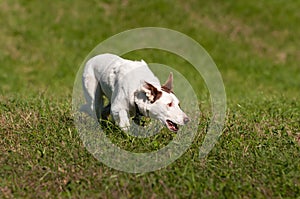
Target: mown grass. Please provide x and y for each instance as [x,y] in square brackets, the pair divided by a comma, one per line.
[43,155]
[254,45]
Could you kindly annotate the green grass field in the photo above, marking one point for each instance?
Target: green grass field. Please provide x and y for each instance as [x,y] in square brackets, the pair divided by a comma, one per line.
[255,45]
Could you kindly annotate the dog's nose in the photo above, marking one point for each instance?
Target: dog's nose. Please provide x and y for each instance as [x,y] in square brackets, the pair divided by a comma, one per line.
[186,120]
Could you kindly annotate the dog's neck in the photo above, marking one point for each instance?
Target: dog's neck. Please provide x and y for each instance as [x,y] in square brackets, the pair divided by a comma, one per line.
[141,104]
[138,113]
[141,111]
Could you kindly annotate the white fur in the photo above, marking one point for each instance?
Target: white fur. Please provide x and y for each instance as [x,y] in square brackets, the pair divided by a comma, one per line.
[123,83]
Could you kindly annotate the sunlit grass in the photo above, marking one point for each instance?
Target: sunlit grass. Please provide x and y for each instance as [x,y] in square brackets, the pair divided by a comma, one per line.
[254,45]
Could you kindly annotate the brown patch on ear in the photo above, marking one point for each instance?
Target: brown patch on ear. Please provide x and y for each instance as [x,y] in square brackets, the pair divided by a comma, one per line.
[157,96]
[151,92]
[168,85]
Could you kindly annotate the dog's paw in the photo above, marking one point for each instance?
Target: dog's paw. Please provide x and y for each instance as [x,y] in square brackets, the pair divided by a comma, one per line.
[125,128]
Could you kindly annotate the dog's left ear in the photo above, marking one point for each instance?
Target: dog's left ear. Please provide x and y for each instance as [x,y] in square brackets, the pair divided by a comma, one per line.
[151,92]
[168,86]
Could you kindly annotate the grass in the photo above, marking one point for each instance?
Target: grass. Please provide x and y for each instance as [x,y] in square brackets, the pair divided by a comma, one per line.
[254,44]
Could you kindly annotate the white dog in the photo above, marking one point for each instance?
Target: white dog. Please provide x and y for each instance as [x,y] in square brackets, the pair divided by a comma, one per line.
[132,90]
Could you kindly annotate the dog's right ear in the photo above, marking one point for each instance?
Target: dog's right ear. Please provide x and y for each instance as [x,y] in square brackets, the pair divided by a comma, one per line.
[168,86]
[151,92]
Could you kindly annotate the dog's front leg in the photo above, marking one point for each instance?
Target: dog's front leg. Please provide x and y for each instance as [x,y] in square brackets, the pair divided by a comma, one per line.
[121,118]
[124,120]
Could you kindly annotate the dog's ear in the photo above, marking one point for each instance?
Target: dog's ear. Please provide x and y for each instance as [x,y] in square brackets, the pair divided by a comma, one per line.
[151,92]
[168,86]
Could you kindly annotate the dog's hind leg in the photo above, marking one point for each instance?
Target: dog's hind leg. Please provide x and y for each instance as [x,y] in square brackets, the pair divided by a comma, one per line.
[92,93]
[98,101]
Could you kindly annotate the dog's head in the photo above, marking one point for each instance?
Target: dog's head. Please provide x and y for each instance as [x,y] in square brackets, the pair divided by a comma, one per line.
[164,105]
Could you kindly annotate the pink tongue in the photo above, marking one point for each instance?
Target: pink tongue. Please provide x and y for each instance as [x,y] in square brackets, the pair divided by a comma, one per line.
[172,126]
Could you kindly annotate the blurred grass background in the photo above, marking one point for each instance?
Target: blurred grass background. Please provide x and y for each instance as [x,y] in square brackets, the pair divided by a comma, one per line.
[255,45]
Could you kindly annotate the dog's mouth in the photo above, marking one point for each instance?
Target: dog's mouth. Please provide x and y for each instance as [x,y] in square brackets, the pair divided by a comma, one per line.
[172,126]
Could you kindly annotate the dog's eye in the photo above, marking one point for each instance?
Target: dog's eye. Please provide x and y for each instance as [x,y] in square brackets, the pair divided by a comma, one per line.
[170,104]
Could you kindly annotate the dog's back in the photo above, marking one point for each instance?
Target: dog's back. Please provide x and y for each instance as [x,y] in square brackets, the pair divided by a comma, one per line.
[112,72]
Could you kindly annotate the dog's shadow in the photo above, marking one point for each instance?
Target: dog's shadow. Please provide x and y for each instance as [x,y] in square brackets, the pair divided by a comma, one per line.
[89,132]
[110,127]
